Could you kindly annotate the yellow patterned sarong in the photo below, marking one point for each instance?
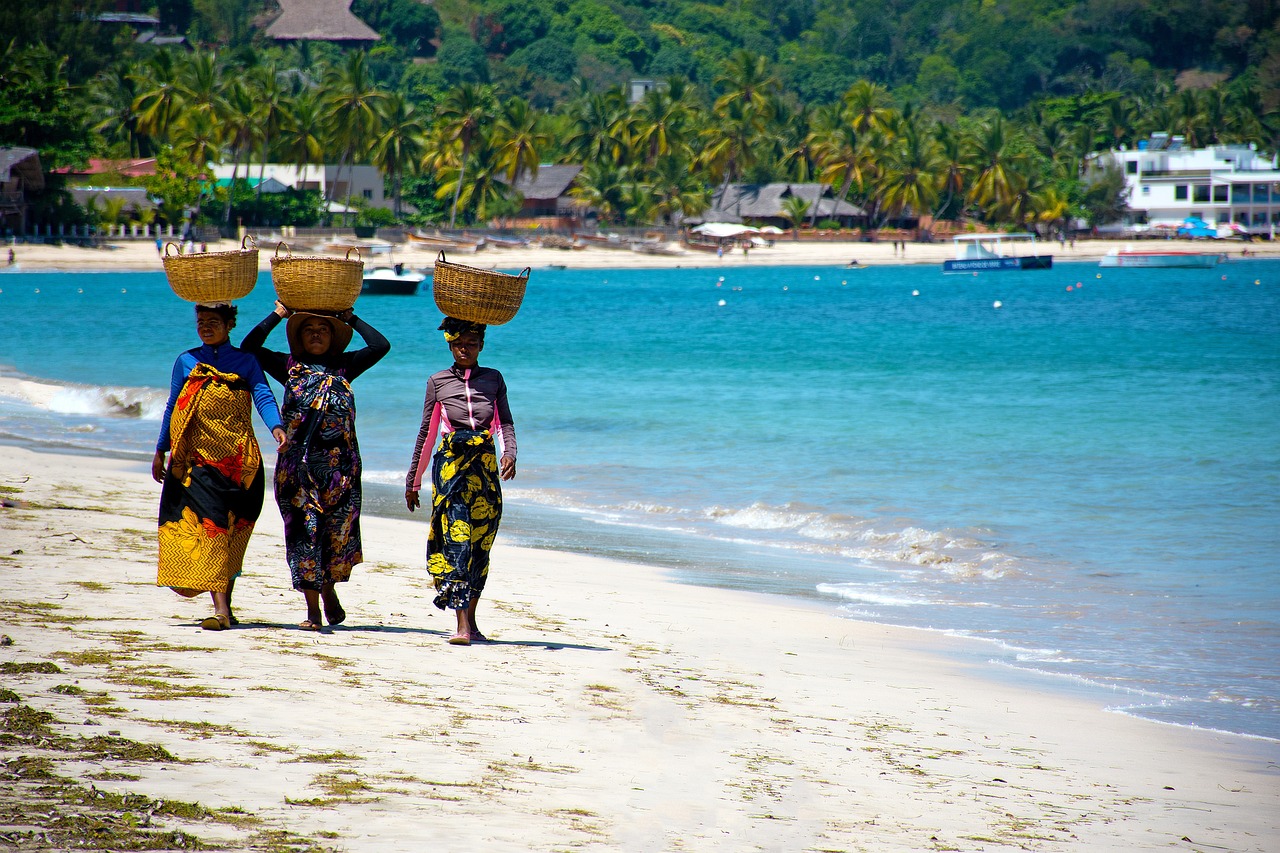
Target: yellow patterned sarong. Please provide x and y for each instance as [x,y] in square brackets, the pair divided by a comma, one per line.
[213,490]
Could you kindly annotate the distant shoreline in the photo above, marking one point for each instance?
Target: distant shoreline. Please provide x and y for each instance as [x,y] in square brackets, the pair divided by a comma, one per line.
[142,256]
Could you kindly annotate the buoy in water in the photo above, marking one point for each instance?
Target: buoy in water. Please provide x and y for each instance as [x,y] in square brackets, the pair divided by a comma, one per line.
[997,304]
[915,293]
[721,302]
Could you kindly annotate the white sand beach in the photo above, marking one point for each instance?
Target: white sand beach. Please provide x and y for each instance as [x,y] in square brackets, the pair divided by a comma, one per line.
[615,710]
[142,255]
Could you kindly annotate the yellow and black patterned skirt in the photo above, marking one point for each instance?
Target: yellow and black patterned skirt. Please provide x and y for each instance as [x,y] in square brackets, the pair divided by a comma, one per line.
[466,506]
[213,490]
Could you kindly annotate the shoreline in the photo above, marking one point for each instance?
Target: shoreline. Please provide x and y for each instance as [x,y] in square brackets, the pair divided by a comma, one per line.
[617,709]
[140,255]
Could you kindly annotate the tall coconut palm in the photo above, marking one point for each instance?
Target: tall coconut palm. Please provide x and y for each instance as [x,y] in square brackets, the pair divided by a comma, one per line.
[729,141]
[997,165]
[868,107]
[239,120]
[745,79]
[400,147]
[519,140]
[485,193]
[465,111]
[114,93]
[200,86]
[156,102]
[677,193]
[269,94]
[602,186]
[353,114]
[661,121]
[842,153]
[954,158]
[302,134]
[597,129]
[912,176]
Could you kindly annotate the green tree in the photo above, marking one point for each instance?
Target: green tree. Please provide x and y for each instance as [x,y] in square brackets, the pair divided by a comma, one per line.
[795,209]
[400,147]
[352,113]
[462,115]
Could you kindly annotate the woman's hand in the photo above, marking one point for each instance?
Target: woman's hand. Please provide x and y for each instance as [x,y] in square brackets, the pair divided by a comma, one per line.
[157,467]
[281,309]
[282,439]
[411,499]
[506,468]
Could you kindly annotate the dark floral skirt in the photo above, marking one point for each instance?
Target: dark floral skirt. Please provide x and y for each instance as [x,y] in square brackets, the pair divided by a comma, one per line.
[466,507]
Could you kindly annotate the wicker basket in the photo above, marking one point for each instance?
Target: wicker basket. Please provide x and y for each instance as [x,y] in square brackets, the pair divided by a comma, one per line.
[212,277]
[329,285]
[476,295]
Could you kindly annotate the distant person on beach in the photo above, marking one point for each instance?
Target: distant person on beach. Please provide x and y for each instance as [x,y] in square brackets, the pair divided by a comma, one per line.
[318,472]
[160,247]
[467,405]
[11,257]
[212,487]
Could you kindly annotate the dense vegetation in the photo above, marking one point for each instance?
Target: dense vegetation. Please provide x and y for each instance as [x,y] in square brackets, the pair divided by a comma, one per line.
[983,108]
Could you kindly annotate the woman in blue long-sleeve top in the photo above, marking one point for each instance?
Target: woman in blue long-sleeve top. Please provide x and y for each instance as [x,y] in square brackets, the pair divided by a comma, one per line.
[212,486]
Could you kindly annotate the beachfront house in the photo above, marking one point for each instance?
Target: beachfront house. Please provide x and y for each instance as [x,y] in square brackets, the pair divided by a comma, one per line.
[546,202]
[764,204]
[20,176]
[363,183]
[1221,184]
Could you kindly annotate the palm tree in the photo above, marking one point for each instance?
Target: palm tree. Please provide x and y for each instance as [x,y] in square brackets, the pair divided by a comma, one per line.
[597,128]
[997,165]
[520,140]
[841,152]
[954,157]
[352,113]
[661,120]
[463,113]
[602,186]
[485,193]
[795,209]
[269,94]
[745,79]
[677,193]
[114,93]
[239,122]
[302,132]
[912,175]
[400,147]
[156,103]
[867,107]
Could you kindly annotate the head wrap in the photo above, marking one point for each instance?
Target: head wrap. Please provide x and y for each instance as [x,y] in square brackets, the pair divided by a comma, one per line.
[454,328]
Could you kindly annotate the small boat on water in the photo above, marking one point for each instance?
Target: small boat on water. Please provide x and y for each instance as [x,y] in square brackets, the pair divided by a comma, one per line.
[995,252]
[391,281]
[1159,259]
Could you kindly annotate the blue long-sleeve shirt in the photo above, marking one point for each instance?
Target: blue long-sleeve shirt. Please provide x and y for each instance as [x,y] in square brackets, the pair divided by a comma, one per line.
[227,359]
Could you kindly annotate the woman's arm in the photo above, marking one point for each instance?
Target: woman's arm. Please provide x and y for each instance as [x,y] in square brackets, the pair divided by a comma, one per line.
[507,432]
[376,346]
[177,379]
[265,402]
[426,441]
[276,364]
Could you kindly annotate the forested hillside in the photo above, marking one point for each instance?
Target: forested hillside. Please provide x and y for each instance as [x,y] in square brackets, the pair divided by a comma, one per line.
[981,108]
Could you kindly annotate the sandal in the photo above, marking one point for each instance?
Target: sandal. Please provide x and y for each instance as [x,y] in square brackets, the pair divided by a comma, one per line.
[216,622]
[308,625]
[460,640]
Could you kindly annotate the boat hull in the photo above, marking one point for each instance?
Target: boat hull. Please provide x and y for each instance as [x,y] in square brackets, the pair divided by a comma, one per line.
[1148,260]
[1029,262]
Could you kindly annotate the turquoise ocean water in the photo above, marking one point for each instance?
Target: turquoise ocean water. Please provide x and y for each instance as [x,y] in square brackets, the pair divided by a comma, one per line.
[1087,477]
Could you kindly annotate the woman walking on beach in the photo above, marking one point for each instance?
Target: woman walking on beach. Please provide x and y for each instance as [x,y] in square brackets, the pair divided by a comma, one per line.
[318,472]
[212,487]
[467,405]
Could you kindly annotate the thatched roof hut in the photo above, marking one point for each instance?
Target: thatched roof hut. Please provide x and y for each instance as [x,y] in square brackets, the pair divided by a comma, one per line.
[319,20]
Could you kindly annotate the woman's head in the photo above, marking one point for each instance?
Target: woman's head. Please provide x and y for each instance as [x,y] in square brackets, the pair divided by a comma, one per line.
[316,335]
[465,339]
[214,323]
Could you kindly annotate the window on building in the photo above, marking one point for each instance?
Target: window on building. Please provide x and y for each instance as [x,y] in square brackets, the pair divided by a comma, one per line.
[1180,192]
[368,194]
[1146,190]
[1220,192]
[1240,193]
[1201,192]
[1131,167]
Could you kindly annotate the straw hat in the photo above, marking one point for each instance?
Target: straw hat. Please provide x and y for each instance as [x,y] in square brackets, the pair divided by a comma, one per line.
[341,333]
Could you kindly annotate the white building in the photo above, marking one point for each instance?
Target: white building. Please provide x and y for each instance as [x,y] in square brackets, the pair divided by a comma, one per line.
[365,182]
[1224,183]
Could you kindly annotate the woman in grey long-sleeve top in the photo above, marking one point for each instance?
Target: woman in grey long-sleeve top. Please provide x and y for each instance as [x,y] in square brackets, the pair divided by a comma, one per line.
[467,406]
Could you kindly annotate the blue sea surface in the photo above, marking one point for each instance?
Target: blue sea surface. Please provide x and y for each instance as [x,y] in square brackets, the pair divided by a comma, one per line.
[1087,476]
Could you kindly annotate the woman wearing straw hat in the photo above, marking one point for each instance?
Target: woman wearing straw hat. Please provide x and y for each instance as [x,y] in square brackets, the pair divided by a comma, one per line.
[213,486]
[318,473]
[467,404]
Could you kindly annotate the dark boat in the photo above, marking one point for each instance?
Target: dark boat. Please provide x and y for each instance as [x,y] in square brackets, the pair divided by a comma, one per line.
[994,252]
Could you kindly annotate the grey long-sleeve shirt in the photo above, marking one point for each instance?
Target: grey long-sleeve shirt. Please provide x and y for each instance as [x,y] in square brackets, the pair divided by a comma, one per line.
[461,399]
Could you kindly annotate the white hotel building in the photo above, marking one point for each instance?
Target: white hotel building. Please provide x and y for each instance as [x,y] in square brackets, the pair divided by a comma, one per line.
[1224,183]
